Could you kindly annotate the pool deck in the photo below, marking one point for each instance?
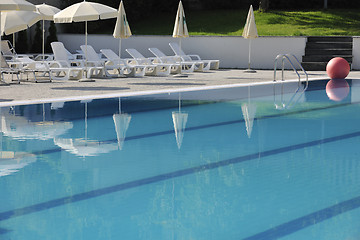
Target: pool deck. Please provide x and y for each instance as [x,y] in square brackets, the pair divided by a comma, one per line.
[30,92]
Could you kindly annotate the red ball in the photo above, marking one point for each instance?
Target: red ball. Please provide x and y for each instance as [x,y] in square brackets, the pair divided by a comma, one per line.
[337,68]
[337,89]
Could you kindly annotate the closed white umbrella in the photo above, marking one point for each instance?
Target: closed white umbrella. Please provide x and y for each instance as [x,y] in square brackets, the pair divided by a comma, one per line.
[84,12]
[250,32]
[122,28]
[180,27]
[11,5]
[47,13]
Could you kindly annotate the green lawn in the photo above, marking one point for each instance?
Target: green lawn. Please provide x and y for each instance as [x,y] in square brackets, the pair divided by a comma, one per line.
[344,22]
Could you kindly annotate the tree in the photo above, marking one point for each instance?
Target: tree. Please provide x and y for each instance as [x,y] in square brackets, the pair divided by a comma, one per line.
[37,41]
[51,38]
[22,42]
[264,5]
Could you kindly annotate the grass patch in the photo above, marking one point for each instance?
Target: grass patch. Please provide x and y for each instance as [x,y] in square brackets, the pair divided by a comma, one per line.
[345,22]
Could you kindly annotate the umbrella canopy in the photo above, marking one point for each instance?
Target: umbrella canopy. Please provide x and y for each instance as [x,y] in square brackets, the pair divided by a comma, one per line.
[180,28]
[84,12]
[10,5]
[47,13]
[250,30]
[15,21]
[121,121]
[122,28]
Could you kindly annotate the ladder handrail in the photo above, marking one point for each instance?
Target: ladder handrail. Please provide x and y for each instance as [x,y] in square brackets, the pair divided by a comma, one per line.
[288,57]
[291,101]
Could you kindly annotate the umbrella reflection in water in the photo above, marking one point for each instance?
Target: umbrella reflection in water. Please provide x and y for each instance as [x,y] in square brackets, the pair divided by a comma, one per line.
[179,120]
[121,121]
[84,147]
[249,111]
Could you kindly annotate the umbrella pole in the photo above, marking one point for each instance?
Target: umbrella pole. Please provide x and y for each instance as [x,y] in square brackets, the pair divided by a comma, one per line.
[86,79]
[120,48]
[249,54]
[13,40]
[119,105]
[0,52]
[86,33]
[85,122]
[249,70]
[43,40]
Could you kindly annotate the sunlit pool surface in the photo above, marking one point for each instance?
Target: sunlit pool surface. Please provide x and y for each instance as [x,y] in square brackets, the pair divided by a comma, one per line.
[258,162]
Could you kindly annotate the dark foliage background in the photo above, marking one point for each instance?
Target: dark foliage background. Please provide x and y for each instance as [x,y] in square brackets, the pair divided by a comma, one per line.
[139,9]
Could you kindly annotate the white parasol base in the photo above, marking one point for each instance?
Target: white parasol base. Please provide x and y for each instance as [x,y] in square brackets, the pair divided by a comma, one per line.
[86,80]
[249,70]
[180,75]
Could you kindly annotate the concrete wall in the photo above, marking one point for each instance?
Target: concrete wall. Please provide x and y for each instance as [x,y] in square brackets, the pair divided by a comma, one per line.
[356,53]
[232,51]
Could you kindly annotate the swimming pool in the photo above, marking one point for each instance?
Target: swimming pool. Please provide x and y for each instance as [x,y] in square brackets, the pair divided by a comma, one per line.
[255,162]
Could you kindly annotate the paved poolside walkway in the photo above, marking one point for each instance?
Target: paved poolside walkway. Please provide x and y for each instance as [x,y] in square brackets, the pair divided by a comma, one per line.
[64,90]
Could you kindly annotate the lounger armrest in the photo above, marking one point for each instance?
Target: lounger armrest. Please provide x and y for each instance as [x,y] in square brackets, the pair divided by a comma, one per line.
[131,61]
[94,63]
[47,57]
[77,63]
[9,57]
[31,56]
[195,57]
[57,64]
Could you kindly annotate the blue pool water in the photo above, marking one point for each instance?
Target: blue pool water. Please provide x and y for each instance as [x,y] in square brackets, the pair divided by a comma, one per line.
[259,162]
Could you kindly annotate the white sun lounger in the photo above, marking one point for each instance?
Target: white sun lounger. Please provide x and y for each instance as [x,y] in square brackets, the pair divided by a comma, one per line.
[120,64]
[152,68]
[6,69]
[61,68]
[208,64]
[186,67]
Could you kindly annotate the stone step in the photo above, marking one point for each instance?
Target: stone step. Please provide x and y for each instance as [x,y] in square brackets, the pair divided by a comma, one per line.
[314,66]
[325,58]
[310,52]
[329,39]
[329,45]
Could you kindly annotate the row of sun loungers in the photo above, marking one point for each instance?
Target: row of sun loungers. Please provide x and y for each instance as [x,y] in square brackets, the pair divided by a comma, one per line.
[88,64]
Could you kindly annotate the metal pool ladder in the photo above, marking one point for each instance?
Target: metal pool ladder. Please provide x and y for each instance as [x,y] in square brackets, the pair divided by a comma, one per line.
[297,95]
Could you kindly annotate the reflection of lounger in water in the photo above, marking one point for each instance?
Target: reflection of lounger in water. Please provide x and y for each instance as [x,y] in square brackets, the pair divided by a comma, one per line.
[11,162]
[84,147]
[19,127]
